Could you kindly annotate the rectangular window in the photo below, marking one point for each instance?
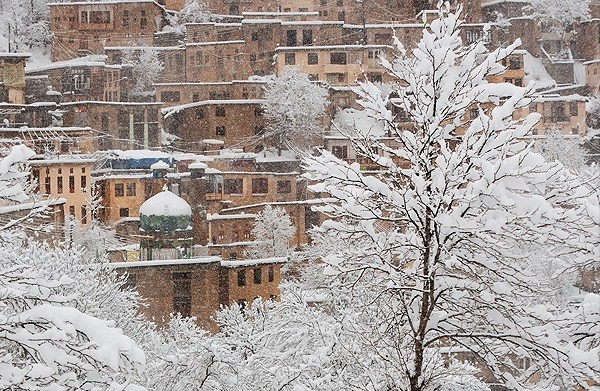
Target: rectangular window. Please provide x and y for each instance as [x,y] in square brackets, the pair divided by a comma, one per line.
[313,58]
[290,59]
[124,212]
[271,273]
[514,62]
[220,111]
[259,130]
[307,37]
[83,214]
[72,210]
[376,77]
[284,187]
[335,78]
[233,186]
[182,294]
[255,36]
[290,38]
[374,54]
[341,152]
[313,77]
[125,18]
[47,184]
[558,112]
[260,186]
[83,183]
[119,190]
[143,20]
[131,190]
[199,112]
[257,275]
[338,58]
[59,185]
[573,109]
[258,112]
[341,16]
[71,184]
[220,130]
[241,277]
[170,96]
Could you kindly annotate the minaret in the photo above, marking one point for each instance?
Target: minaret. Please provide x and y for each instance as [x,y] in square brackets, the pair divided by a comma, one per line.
[197,198]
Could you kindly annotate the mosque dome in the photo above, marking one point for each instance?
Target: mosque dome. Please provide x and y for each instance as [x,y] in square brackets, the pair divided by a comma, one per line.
[165,212]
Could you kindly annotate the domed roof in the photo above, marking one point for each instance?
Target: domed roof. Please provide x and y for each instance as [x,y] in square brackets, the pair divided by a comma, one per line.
[165,203]
[160,165]
[197,166]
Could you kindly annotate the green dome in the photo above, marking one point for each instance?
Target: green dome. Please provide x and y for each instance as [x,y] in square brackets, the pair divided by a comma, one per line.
[165,212]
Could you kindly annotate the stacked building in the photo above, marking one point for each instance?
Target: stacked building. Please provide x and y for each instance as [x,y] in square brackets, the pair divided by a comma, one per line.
[101,147]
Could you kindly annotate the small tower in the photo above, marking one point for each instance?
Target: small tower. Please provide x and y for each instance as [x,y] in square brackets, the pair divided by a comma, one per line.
[197,198]
[160,170]
[165,223]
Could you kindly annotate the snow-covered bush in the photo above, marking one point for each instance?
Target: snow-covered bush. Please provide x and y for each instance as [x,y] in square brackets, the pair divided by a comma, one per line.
[293,108]
[146,70]
[48,344]
[273,230]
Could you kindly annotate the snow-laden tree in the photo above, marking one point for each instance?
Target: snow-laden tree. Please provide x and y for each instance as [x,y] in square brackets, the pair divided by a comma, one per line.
[177,356]
[294,107]
[25,25]
[13,178]
[593,112]
[556,146]
[146,70]
[48,344]
[194,11]
[560,15]
[440,268]
[273,230]
[299,344]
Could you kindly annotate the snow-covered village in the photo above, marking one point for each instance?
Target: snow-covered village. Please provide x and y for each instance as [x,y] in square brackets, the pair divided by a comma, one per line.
[299,195]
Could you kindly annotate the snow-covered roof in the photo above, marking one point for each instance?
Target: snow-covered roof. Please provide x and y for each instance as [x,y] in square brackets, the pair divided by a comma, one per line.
[13,55]
[212,217]
[110,103]
[175,109]
[160,165]
[237,41]
[87,61]
[76,2]
[54,129]
[384,25]
[197,166]
[592,62]
[31,205]
[312,22]
[333,47]
[252,262]
[495,2]
[210,83]
[559,98]
[167,262]
[212,141]
[165,203]
[139,154]
[314,201]
[536,72]
[257,13]
[262,21]
[61,160]
[178,47]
